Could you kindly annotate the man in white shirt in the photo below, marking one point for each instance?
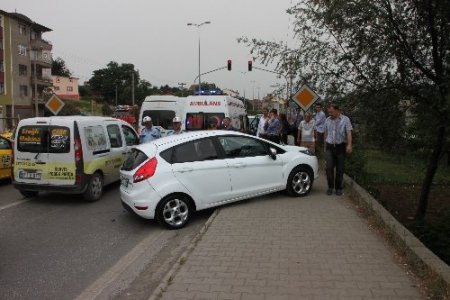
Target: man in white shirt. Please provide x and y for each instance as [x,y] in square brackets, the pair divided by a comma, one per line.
[261,132]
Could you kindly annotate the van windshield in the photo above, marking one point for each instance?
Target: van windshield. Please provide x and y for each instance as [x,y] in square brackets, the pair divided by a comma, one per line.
[43,139]
[161,118]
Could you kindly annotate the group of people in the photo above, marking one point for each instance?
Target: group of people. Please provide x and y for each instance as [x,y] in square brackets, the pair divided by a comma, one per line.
[330,135]
[150,133]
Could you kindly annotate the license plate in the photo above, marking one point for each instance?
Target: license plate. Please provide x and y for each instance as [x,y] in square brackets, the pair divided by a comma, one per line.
[30,175]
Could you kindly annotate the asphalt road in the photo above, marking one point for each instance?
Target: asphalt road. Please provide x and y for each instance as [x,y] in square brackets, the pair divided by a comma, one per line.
[60,247]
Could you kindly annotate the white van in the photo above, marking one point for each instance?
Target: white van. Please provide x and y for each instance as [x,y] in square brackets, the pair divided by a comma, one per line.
[195,111]
[162,109]
[70,154]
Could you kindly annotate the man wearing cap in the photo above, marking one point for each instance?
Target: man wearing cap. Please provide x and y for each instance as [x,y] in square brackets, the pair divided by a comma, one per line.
[176,127]
[149,133]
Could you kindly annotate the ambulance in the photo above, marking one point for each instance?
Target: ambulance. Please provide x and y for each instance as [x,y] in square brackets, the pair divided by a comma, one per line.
[195,111]
[70,154]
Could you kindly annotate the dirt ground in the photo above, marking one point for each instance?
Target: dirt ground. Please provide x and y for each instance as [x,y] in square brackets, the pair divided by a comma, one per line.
[401,201]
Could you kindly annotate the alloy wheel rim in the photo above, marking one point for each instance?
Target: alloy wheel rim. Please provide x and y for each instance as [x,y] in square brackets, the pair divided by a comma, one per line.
[301,183]
[175,212]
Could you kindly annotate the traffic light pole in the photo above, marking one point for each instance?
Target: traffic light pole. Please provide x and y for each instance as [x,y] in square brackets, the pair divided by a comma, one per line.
[281,74]
[221,68]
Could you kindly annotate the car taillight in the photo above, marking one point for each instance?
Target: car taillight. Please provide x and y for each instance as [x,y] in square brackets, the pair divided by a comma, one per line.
[78,150]
[146,170]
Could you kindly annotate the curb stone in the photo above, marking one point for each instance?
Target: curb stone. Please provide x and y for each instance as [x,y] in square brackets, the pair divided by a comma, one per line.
[166,280]
[417,253]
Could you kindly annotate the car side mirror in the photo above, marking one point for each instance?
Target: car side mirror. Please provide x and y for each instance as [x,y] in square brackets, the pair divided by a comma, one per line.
[273,153]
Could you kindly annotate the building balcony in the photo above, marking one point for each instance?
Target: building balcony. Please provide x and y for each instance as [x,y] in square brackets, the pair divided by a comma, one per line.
[45,62]
[41,44]
[41,80]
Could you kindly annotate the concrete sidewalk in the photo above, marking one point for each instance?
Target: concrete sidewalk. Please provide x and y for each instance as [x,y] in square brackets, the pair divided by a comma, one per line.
[277,247]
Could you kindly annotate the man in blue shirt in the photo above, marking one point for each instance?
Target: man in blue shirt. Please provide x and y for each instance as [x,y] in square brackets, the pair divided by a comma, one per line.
[149,133]
[273,127]
[338,139]
[176,122]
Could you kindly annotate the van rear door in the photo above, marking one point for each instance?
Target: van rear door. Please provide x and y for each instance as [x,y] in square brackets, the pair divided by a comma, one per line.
[61,166]
[31,153]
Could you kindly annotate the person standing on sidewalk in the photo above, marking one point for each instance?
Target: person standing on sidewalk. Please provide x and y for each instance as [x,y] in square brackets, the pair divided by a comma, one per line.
[338,142]
[306,136]
[296,120]
[260,132]
[273,127]
[320,119]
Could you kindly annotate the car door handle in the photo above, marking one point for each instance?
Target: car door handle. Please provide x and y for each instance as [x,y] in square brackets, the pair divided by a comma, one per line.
[184,170]
[41,163]
[239,165]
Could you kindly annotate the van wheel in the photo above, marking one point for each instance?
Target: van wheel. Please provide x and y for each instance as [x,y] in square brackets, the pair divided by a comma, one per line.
[29,194]
[173,212]
[94,190]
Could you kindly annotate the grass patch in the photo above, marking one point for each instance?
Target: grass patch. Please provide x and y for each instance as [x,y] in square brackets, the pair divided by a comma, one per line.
[401,169]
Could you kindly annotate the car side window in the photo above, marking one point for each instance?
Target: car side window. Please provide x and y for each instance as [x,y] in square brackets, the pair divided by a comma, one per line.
[115,139]
[130,136]
[241,146]
[198,150]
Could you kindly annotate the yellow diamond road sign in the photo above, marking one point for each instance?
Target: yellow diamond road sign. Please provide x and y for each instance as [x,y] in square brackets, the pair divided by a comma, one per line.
[54,104]
[305,97]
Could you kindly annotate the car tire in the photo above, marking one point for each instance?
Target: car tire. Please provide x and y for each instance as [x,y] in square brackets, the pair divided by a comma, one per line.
[174,211]
[29,194]
[300,182]
[94,189]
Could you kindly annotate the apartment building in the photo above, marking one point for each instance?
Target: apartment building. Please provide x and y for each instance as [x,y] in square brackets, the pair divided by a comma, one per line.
[25,67]
[66,88]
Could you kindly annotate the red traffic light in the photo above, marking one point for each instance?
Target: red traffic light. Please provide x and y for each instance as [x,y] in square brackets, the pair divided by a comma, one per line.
[229,65]
[250,65]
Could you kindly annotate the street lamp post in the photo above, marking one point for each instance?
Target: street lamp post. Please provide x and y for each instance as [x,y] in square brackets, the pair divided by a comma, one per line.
[199,72]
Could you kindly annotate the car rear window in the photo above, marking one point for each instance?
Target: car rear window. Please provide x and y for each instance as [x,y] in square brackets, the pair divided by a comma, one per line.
[44,139]
[134,159]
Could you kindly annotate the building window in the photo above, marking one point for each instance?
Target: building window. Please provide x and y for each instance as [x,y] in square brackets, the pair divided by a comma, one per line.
[2,66]
[22,70]
[57,79]
[22,29]
[70,89]
[22,50]
[23,91]
[2,88]
[56,88]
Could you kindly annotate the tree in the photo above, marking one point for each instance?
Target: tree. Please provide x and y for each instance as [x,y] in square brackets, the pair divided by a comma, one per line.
[373,47]
[105,81]
[59,68]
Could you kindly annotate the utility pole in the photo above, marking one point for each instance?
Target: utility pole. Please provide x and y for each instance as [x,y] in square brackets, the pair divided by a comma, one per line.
[36,106]
[116,94]
[181,85]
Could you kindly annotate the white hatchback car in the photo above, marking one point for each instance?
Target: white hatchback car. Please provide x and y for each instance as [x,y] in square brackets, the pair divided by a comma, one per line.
[170,178]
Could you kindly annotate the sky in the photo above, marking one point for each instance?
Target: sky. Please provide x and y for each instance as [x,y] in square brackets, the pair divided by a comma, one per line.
[154,36]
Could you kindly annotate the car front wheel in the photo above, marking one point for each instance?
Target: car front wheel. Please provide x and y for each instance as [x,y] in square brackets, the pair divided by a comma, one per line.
[173,212]
[300,182]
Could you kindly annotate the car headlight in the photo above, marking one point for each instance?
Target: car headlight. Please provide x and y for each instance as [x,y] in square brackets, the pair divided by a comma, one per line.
[307,152]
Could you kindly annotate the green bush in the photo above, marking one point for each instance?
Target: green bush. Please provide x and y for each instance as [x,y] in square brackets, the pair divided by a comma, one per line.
[106,110]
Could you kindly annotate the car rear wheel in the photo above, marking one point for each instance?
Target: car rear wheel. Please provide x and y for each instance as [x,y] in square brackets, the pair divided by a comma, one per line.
[29,194]
[173,212]
[94,190]
[300,182]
